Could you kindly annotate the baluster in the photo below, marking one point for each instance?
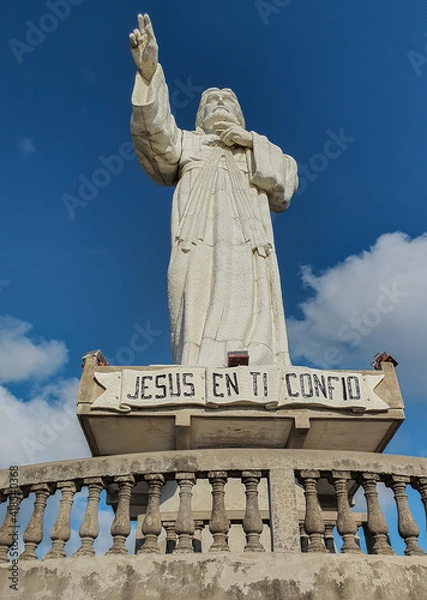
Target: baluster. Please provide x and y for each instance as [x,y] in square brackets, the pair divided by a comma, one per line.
[357,536]
[303,537]
[61,531]
[152,524]
[34,532]
[420,484]
[197,537]
[313,523]
[376,523]
[120,528]
[252,522]
[329,536]
[8,535]
[346,525]
[89,528]
[407,527]
[184,525]
[219,524]
[170,536]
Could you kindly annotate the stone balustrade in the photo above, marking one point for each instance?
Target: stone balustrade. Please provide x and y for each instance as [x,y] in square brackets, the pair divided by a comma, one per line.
[324,480]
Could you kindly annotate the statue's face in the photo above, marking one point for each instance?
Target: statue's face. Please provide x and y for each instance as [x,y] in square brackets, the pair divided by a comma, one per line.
[221,110]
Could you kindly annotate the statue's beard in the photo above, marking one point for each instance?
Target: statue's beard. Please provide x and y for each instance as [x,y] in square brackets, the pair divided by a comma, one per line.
[218,120]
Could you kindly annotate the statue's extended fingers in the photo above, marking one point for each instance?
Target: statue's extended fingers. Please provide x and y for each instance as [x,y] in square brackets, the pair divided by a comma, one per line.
[141,23]
[149,27]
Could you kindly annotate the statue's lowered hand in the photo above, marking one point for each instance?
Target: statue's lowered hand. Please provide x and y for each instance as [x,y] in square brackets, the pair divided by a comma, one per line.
[234,134]
[144,48]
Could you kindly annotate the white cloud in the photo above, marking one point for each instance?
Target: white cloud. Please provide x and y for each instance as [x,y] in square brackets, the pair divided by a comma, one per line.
[22,357]
[26,146]
[43,426]
[42,429]
[368,303]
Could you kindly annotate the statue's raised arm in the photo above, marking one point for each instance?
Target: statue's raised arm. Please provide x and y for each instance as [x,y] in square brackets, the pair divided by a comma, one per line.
[156,138]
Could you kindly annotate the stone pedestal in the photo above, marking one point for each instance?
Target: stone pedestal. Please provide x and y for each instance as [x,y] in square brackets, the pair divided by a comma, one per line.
[129,409]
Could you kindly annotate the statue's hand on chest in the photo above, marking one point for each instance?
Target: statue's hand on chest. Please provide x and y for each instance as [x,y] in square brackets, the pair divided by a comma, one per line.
[213,143]
[236,135]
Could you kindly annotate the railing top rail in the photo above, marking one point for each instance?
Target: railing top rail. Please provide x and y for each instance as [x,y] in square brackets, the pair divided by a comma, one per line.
[211,460]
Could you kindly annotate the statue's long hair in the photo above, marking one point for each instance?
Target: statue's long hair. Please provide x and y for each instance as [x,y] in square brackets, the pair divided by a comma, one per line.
[201,110]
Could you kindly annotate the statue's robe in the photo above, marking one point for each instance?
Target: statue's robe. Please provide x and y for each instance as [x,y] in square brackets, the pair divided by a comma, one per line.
[223,278]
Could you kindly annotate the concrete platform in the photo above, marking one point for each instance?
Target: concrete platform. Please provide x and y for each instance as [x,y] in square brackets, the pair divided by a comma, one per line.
[264,576]
[195,425]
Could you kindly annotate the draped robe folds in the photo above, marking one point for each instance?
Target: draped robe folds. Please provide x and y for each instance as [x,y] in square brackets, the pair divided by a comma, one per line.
[223,278]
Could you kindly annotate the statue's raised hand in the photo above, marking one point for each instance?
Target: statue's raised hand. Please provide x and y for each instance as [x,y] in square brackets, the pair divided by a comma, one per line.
[144,47]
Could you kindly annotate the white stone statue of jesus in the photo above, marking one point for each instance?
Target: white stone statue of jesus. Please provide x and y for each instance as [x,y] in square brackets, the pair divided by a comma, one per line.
[223,279]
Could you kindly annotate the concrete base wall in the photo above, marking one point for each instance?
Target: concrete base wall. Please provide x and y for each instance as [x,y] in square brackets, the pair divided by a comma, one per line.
[221,577]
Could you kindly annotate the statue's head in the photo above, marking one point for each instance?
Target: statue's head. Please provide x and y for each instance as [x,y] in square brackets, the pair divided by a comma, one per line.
[218,106]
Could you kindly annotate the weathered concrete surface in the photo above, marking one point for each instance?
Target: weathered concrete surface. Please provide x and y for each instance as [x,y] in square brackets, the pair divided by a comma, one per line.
[220,577]
[197,461]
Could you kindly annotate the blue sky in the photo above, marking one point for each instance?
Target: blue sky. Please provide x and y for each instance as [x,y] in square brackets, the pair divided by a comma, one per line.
[305,72]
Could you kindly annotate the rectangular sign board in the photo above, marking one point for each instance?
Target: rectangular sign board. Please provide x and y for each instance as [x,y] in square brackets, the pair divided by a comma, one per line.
[269,387]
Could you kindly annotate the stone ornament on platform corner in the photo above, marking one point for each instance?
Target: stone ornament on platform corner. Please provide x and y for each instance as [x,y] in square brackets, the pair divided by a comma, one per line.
[263,386]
